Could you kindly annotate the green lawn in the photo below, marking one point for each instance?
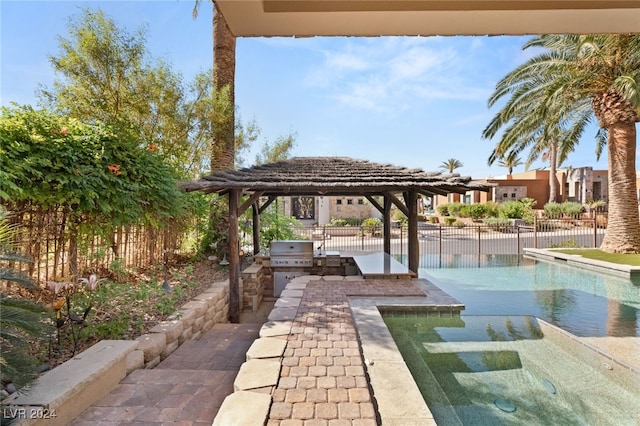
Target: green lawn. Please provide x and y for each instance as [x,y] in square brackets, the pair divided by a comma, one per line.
[624,259]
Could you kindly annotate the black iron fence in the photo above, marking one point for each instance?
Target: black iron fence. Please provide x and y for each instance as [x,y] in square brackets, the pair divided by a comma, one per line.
[474,238]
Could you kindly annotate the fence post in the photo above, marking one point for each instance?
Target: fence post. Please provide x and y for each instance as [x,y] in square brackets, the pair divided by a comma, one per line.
[479,252]
[362,237]
[440,239]
[518,239]
[595,229]
[535,231]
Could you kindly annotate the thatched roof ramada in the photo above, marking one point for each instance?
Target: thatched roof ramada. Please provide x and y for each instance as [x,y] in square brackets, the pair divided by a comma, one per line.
[332,176]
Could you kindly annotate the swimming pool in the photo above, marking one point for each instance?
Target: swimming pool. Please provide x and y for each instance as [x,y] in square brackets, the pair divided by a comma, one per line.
[511,370]
[582,302]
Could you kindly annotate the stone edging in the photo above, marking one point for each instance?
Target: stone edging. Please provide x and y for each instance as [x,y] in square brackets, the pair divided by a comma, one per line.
[189,322]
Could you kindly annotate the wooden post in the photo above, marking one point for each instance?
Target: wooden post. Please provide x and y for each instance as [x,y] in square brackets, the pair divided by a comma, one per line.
[256,227]
[234,258]
[414,245]
[387,225]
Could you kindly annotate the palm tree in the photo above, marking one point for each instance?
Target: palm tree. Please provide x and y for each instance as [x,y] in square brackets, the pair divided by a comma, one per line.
[21,319]
[451,164]
[510,161]
[575,74]
[538,120]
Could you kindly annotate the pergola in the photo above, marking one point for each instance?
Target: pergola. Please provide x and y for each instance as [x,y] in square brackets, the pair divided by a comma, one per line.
[382,185]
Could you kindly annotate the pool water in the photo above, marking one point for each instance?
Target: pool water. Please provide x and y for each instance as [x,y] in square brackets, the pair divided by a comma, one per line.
[582,302]
[511,370]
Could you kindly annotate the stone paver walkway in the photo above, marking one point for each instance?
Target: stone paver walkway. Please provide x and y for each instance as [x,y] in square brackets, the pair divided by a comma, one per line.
[186,389]
[323,381]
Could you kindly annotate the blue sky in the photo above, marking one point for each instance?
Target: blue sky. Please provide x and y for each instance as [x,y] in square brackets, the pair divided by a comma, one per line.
[407,101]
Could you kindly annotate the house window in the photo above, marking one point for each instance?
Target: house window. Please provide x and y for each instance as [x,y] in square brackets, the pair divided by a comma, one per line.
[513,195]
[349,201]
[505,195]
[360,201]
[338,202]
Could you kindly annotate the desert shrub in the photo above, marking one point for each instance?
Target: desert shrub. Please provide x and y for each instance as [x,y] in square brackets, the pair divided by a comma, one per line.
[572,209]
[474,211]
[458,224]
[491,209]
[370,225]
[443,209]
[497,224]
[454,209]
[449,221]
[399,217]
[570,243]
[512,210]
[434,219]
[553,210]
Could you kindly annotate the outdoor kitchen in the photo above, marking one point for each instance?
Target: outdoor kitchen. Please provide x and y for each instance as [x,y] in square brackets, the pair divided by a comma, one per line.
[287,259]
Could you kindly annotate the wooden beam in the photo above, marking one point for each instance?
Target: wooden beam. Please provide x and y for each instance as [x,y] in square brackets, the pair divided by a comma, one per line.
[395,200]
[249,202]
[374,203]
[267,203]
[234,257]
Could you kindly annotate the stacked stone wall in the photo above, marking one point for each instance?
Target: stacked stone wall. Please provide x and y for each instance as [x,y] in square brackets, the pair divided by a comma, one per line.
[189,322]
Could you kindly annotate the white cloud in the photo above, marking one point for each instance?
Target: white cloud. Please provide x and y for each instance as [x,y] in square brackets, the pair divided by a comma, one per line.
[393,73]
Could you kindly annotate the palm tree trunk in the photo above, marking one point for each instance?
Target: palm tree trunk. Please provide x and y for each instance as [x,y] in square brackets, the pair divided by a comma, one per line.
[224,70]
[623,224]
[553,180]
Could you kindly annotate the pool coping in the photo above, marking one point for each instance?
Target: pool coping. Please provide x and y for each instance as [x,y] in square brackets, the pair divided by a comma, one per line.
[621,270]
[396,394]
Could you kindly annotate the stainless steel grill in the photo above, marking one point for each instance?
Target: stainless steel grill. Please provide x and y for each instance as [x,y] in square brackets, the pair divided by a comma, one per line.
[291,253]
[288,260]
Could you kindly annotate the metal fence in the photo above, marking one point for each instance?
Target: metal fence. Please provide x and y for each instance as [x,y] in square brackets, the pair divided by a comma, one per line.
[477,238]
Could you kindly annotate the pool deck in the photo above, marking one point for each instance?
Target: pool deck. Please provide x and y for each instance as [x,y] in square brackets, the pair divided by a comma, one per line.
[322,356]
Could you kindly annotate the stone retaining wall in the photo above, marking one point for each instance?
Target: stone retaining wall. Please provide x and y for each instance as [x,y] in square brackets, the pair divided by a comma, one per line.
[189,322]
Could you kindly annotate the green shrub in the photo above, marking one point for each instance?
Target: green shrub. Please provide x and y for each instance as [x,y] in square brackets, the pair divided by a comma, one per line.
[570,243]
[458,224]
[491,209]
[553,210]
[454,209]
[449,221]
[497,224]
[512,210]
[371,224]
[474,211]
[572,209]
[443,209]
[434,219]
[399,217]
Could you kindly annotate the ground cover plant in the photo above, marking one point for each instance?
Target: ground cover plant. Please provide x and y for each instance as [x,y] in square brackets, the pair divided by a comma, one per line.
[119,309]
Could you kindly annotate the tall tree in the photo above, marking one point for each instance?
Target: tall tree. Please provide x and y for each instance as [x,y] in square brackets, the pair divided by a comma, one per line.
[573,77]
[105,74]
[451,164]
[279,150]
